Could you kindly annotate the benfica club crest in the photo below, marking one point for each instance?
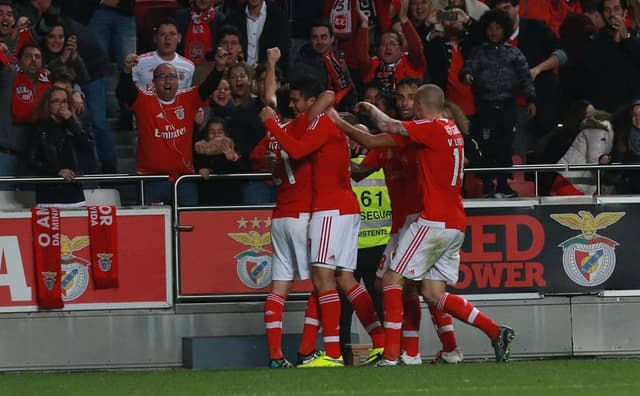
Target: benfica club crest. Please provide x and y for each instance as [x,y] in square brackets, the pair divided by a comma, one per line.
[49,279]
[179,112]
[75,278]
[105,261]
[588,259]
[254,264]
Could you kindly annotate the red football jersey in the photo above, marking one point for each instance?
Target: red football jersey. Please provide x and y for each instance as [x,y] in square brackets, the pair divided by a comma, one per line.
[165,132]
[400,174]
[330,163]
[440,170]
[291,177]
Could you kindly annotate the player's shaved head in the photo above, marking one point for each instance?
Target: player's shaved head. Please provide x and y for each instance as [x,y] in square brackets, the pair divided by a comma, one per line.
[431,96]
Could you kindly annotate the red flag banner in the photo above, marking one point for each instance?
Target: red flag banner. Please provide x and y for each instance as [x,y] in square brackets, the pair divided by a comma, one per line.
[103,236]
[45,228]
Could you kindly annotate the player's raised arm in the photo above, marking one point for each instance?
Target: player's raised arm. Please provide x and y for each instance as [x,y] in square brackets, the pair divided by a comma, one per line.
[325,101]
[361,136]
[295,148]
[380,120]
[270,80]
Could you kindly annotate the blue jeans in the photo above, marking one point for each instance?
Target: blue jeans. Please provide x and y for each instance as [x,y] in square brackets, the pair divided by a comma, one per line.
[116,33]
[96,93]
[156,191]
[8,167]
[258,192]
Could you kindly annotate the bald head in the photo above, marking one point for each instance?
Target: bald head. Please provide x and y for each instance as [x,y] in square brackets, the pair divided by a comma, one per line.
[429,101]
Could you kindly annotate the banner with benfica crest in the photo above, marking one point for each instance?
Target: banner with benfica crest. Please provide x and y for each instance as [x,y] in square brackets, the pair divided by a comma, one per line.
[550,249]
[144,254]
[547,249]
[227,253]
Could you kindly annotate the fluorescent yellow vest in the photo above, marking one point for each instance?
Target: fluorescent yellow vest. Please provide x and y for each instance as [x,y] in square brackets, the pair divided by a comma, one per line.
[375,209]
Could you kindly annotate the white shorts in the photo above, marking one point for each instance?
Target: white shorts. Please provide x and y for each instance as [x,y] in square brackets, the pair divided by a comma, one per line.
[384,260]
[334,240]
[289,239]
[428,251]
[393,241]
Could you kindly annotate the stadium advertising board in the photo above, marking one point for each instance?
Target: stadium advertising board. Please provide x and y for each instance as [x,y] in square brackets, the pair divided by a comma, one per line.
[550,249]
[543,249]
[227,253]
[144,253]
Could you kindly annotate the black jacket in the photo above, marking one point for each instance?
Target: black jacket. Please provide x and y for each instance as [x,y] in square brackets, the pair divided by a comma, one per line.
[613,70]
[54,146]
[276,32]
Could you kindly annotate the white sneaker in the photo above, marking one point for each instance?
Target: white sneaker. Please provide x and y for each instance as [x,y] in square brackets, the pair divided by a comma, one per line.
[410,360]
[452,357]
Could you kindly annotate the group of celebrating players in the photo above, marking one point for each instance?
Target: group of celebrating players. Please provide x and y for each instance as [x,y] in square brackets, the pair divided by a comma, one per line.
[315,225]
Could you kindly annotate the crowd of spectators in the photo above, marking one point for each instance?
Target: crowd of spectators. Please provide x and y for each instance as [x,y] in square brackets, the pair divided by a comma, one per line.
[538,79]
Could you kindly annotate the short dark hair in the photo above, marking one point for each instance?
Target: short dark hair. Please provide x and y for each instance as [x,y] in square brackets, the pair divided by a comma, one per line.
[165,21]
[282,95]
[63,74]
[409,81]
[228,30]
[322,22]
[623,4]
[498,16]
[10,4]
[25,46]
[308,87]
[493,3]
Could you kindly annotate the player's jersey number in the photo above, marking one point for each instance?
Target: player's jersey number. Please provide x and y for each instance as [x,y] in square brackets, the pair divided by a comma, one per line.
[458,172]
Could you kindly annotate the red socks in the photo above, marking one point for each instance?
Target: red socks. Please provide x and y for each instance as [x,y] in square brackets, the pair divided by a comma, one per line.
[411,325]
[273,312]
[393,313]
[330,320]
[311,326]
[463,310]
[443,323]
[363,306]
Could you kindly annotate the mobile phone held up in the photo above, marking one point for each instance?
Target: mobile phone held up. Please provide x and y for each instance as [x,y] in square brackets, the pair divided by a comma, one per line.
[447,15]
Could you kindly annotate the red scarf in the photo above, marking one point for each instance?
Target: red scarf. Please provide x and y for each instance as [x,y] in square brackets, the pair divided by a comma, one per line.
[45,228]
[25,95]
[337,79]
[341,17]
[103,234]
[197,43]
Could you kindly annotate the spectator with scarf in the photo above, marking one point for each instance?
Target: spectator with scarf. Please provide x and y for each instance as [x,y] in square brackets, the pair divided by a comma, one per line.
[391,64]
[95,89]
[325,63]
[19,92]
[199,26]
